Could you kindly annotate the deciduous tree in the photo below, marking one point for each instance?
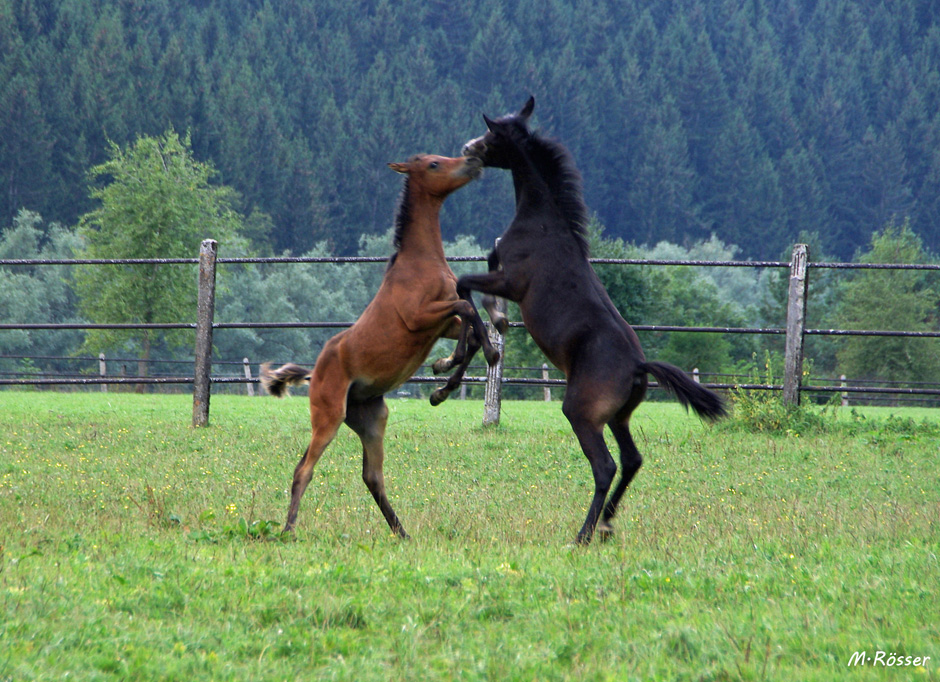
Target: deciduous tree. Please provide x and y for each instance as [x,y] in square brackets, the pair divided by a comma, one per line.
[156,201]
[899,300]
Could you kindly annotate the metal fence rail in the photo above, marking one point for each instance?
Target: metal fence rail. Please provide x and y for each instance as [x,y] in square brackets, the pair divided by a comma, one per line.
[794,332]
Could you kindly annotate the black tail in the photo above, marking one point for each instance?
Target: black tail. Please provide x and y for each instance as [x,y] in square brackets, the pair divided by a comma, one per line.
[707,404]
[276,381]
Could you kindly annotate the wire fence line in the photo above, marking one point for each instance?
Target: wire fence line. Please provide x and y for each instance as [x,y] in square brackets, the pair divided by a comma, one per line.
[26,326]
[822,265]
[794,332]
[716,380]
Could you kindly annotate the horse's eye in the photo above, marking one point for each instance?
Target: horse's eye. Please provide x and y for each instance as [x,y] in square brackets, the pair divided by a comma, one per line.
[433,165]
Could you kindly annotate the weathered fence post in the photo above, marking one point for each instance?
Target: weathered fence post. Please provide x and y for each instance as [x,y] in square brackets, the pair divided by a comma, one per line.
[845,394]
[548,391]
[251,388]
[796,321]
[492,399]
[205,311]
[695,375]
[102,371]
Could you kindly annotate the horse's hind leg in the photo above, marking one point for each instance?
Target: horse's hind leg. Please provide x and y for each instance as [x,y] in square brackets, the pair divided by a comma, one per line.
[368,420]
[590,432]
[630,462]
[327,408]
[630,458]
[323,433]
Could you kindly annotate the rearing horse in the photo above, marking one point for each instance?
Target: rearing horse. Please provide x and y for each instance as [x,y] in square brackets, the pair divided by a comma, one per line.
[416,304]
[541,263]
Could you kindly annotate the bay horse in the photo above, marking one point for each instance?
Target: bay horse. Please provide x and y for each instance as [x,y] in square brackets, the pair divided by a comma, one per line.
[416,304]
[541,263]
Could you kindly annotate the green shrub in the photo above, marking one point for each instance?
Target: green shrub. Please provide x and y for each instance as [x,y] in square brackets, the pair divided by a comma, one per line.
[763,411]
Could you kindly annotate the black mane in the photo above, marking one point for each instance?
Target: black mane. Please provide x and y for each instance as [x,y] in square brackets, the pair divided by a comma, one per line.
[557,167]
[402,220]
[402,215]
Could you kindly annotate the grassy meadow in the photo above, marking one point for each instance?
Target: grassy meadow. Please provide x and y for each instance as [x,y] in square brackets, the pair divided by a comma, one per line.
[134,547]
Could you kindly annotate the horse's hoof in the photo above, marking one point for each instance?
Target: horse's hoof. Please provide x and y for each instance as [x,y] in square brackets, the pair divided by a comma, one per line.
[442,365]
[439,396]
[604,532]
[492,356]
[583,539]
[502,325]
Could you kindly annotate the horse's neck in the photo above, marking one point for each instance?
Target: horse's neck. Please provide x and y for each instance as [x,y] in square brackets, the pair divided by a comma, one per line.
[533,194]
[528,182]
[422,237]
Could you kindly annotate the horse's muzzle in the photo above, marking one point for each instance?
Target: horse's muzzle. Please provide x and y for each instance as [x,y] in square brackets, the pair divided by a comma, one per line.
[473,167]
[474,148]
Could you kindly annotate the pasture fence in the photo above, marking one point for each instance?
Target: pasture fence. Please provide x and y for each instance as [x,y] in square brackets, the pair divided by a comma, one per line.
[234,373]
[202,379]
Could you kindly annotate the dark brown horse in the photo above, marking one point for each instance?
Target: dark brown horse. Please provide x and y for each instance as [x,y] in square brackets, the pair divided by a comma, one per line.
[416,304]
[541,263]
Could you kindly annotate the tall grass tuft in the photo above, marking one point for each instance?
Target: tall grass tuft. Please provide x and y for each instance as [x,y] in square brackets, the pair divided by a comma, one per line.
[763,411]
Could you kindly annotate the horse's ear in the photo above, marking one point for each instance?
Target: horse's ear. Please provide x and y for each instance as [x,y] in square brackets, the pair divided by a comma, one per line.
[399,167]
[526,110]
[488,121]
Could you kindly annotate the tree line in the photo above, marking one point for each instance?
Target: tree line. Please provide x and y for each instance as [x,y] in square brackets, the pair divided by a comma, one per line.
[755,122]
[155,200]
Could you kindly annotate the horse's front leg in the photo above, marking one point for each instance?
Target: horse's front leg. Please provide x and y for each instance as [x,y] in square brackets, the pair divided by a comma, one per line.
[491,284]
[494,284]
[491,303]
[435,313]
[492,306]
[458,331]
[472,319]
[441,394]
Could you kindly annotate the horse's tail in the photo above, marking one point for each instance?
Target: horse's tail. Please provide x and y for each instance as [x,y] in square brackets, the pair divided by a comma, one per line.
[277,381]
[707,404]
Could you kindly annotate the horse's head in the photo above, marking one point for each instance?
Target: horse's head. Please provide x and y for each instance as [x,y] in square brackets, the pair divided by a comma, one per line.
[494,148]
[439,175]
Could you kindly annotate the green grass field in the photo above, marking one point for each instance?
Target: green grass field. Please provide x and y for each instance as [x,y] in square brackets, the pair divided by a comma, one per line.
[133,547]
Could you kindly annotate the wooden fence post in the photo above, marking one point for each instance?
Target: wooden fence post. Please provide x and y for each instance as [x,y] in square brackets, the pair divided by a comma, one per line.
[102,371]
[845,394]
[548,391]
[493,397]
[796,321]
[205,312]
[251,388]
